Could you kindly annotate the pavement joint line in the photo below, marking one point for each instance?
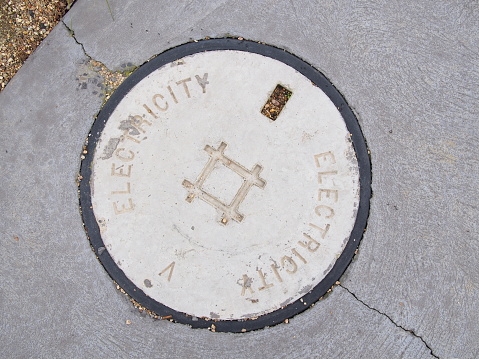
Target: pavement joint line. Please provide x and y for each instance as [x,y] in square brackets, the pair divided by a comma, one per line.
[392,321]
[124,73]
[111,78]
[72,34]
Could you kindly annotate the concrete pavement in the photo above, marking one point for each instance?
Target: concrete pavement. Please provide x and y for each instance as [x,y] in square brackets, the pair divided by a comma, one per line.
[409,71]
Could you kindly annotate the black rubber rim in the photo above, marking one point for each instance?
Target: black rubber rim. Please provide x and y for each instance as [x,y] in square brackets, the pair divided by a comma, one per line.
[280,315]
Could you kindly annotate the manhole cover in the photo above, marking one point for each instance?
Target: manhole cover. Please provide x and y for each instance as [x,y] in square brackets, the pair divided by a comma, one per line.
[226,185]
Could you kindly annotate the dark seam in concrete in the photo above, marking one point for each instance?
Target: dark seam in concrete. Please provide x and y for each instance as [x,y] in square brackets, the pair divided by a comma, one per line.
[72,34]
[392,321]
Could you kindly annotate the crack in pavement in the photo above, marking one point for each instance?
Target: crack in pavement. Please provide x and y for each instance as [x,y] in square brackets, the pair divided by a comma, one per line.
[392,321]
[111,79]
[72,34]
[129,67]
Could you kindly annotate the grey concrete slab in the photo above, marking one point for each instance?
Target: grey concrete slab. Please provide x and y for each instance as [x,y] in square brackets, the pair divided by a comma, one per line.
[410,71]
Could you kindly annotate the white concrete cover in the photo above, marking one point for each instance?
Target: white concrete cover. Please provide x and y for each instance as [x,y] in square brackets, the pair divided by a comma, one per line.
[210,207]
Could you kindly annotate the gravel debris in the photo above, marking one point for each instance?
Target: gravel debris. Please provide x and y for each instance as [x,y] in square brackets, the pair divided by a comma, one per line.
[23,26]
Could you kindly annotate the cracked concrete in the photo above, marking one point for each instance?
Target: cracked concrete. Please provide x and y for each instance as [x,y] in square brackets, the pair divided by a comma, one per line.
[392,321]
[72,34]
[410,73]
[110,79]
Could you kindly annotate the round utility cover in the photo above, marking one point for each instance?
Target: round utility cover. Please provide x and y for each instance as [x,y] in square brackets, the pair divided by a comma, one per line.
[226,185]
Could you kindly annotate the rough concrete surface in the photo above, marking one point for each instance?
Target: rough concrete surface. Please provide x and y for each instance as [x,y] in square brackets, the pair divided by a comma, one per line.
[408,69]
